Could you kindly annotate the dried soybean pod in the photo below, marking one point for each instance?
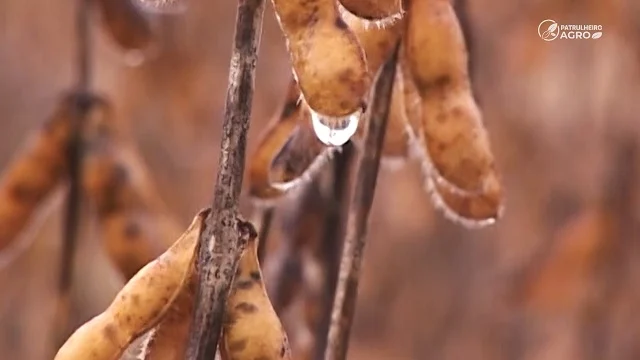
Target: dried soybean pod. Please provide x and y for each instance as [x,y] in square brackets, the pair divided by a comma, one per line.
[456,139]
[37,169]
[328,62]
[376,42]
[374,9]
[133,231]
[469,210]
[301,158]
[139,305]
[412,102]
[168,340]
[252,329]
[273,138]
[125,24]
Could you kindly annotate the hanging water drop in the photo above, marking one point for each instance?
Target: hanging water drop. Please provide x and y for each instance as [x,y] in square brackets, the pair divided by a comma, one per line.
[334,131]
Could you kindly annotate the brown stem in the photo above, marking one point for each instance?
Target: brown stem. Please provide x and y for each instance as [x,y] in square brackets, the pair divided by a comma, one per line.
[218,259]
[74,154]
[331,241]
[266,218]
[361,201]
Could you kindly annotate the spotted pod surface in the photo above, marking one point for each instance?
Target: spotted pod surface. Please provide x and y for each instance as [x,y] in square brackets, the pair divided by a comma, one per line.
[328,62]
[451,122]
[139,306]
[252,329]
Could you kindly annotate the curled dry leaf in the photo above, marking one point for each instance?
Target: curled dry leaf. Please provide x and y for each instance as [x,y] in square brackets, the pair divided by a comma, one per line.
[125,24]
[252,329]
[272,140]
[133,230]
[139,305]
[456,139]
[327,59]
[288,151]
[39,167]
[301,158]
[374,9]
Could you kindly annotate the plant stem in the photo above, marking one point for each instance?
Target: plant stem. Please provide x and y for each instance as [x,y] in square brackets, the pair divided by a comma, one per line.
[220,242]
[266,219]
[360,206]
[74,151]
[333,233]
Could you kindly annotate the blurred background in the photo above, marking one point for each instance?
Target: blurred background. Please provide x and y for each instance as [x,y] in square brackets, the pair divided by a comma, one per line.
[556,278]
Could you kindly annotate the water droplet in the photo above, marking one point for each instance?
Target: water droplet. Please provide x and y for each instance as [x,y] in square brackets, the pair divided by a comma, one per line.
[334,131]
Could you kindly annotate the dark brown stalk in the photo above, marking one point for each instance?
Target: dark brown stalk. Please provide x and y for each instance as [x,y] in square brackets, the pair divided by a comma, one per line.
[263,233]
[218,259]
[361,201]
[74,155]
[331,244]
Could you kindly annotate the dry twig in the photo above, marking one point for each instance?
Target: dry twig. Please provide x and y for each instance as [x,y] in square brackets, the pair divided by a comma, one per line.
[82,105]
[331,244]
[361,201]
[218,259]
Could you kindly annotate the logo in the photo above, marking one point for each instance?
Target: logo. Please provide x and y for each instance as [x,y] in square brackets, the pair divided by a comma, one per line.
[549,30]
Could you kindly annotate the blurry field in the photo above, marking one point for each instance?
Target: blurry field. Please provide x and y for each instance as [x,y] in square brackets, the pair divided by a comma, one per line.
[539,285]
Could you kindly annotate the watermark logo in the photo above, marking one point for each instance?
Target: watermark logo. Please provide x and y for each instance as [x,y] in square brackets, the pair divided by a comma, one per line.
[549,30]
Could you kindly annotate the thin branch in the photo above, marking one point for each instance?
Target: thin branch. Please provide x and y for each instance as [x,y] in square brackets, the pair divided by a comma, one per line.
[83,39]
[266,219]
[361,201]
[331,240]
[74,156]
[218,259]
